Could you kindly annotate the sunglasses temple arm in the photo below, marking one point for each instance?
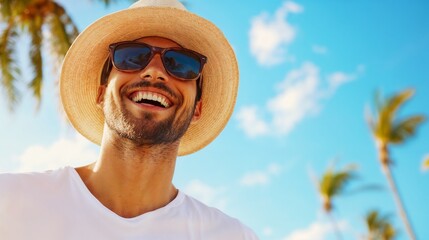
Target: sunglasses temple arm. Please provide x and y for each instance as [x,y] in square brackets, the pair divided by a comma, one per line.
[199,87]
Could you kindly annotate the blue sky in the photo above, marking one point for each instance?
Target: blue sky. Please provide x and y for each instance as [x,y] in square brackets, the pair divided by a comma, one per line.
[308,70]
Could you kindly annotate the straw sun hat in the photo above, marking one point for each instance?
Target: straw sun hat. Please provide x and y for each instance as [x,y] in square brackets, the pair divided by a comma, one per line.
[82,66]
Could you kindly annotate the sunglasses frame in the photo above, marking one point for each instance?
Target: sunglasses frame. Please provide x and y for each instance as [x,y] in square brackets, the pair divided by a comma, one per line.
[153,50]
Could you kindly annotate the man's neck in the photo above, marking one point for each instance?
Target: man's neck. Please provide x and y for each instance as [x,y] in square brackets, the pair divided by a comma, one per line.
[131,181]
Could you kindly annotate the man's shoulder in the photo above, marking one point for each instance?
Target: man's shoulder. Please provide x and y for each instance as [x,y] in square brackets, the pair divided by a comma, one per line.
[35,175]
[213,219]
[14,183]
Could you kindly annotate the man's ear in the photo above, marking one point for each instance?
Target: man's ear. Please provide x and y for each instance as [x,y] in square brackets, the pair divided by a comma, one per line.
[100,95]
[197,112]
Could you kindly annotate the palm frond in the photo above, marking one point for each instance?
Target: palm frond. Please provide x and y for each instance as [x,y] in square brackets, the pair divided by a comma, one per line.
[390,107]
[365,188]
[394,102]
[340,180]
[63,31]
[405,128]
[8,66]
[382,123]
[5,9]
[332,183]
[379,226]
[389,232]
[12,8]
[373,118]
[35,29]
[371,220]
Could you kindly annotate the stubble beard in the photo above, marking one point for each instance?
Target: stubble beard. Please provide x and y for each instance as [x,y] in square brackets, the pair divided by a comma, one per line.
[145,130]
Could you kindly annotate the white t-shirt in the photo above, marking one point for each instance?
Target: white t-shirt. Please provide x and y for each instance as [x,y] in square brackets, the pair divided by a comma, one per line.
[57,205]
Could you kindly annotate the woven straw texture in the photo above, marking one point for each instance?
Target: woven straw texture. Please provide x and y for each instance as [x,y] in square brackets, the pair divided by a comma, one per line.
[81,70]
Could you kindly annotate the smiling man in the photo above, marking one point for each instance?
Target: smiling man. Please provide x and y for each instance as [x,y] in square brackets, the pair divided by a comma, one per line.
[156,80]
[148,84]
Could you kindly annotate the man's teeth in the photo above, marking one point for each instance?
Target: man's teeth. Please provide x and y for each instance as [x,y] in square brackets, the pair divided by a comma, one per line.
[140,96]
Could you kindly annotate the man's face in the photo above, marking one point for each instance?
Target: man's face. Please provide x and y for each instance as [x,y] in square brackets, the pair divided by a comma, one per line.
[149,106]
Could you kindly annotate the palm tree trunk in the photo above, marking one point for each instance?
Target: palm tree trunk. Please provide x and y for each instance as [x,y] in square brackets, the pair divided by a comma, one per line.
[385,165]
[335,226]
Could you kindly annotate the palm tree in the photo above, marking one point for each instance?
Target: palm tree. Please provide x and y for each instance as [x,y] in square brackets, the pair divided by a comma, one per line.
[31,18]
[379,227]
[387,130]
[332,184]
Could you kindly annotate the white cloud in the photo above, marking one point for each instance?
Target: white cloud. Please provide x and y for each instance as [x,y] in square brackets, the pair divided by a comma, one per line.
[299,95]
[260,177]
[251,122]
[316,231]
[271,35]
[255,178]
[274,169]
[319,49]
[64,152]
[207,194]
[267,231]
[337,79]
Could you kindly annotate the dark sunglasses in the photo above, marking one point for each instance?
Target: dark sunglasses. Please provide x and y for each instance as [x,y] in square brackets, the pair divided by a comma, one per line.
[180,63]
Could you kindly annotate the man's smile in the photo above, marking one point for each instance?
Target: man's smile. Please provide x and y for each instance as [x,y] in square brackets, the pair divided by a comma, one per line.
[150,98]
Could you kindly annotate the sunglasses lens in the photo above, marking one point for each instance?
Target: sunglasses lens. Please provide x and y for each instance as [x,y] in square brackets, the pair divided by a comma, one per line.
[131,57]
[182,64]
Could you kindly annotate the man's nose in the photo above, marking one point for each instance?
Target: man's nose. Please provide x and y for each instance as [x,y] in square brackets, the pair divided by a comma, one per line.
[154,70]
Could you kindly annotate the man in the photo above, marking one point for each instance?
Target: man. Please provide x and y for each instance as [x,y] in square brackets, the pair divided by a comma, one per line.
[147,83]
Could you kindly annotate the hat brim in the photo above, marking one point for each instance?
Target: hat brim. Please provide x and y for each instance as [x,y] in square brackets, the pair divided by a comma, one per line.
[82,66]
